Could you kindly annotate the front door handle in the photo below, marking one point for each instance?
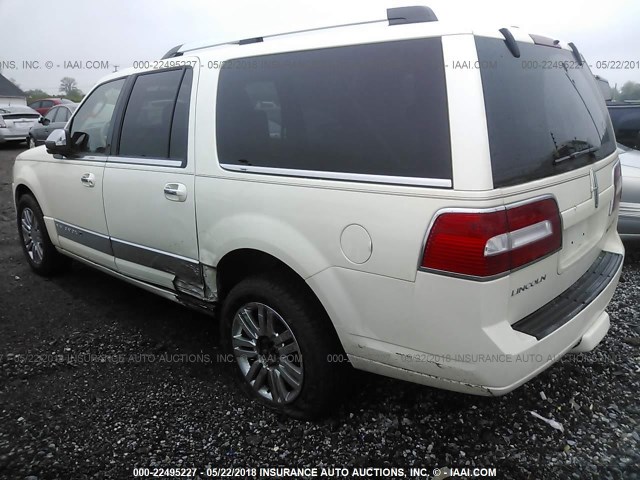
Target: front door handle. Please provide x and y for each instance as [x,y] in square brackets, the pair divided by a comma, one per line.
[88,180]
[176,192]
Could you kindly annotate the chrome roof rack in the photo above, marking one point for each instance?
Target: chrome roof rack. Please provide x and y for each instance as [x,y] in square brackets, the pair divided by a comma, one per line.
[395,16]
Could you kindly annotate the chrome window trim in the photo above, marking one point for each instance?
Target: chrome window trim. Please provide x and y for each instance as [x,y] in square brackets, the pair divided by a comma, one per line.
[156,162]
[353,177]
[508,206]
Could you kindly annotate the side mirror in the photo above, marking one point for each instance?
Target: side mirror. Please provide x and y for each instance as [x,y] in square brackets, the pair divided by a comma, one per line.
[59,142]
[41,120]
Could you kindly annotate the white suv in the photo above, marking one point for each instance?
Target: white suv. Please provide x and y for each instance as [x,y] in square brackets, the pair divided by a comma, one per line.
[408,197]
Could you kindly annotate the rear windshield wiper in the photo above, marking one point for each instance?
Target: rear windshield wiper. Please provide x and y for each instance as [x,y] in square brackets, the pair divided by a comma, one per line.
[559,157]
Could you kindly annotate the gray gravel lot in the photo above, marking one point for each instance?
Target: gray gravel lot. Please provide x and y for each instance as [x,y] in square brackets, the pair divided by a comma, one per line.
[65,414]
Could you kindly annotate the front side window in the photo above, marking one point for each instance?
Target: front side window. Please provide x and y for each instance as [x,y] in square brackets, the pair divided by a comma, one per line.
[377,109]
[91,125]
[156,118]
[63,115]
[51,114]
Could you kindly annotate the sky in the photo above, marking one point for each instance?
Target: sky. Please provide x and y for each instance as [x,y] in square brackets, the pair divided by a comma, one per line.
[123,31]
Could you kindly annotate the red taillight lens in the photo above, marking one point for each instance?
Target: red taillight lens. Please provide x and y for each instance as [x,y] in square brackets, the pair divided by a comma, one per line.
[483,244]
[617,185]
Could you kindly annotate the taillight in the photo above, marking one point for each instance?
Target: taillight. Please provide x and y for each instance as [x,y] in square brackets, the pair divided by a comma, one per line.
[617,185]
[2,124]
[493,242]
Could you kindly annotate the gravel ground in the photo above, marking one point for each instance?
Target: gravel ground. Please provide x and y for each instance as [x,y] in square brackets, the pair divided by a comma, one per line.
[138,403]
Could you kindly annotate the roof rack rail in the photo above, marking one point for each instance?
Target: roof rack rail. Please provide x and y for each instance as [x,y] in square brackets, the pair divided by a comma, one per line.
[545,41]
[174,52]
[404,15]
[395,16]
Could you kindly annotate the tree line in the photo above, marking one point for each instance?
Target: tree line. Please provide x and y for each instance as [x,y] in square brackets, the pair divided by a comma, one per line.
[628,91]
[68,89]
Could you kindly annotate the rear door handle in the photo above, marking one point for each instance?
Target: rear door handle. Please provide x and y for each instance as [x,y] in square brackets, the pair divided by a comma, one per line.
[176,192]
[88,180]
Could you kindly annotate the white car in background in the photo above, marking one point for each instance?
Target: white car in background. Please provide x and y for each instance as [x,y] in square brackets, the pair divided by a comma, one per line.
[15,122]
[629,219]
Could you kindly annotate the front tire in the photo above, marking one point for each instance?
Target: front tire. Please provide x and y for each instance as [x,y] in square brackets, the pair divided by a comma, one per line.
[41,254]
[283,344]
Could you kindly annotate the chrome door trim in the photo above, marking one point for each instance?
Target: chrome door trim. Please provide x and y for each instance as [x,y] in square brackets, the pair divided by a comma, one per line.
[185,269]
[88,238]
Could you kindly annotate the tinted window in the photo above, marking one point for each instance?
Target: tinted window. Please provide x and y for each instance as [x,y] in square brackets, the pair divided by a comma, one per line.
[541,108]
[47,103]
[94,117]
[626,124]
[370,109]
[35,105]
[150,114]
[180,125]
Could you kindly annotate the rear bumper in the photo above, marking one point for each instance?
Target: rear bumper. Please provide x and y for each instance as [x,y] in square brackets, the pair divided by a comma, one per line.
[465,349]
[10,136]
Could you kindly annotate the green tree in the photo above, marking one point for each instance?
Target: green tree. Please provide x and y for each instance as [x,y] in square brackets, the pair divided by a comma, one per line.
[37,94]
[68,85]
[615,93]
[630,91]
[75,95]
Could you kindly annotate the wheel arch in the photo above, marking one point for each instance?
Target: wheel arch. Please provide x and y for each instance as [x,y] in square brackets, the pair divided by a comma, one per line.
[242,263]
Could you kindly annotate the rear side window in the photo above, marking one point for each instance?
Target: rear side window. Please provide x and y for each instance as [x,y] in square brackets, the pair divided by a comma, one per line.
[156,117]
[545,113]
[378,109]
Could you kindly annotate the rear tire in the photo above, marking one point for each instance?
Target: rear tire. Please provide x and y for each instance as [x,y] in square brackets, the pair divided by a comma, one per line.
[41,254]
[283,344]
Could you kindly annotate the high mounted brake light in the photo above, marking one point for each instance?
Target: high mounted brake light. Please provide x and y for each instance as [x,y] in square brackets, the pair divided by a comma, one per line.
[487,243]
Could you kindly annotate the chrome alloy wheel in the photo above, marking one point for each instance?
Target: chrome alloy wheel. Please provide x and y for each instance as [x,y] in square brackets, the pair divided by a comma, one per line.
[267,353]
[32,235]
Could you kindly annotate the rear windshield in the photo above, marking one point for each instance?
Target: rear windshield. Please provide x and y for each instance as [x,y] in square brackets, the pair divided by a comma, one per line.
[377,109]
[545,113]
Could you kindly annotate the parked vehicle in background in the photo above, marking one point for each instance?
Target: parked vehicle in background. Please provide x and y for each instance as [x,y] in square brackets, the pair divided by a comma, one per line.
[350,188]
[46,104]
[625,117]
[629,219]
[15,122]
[55,118]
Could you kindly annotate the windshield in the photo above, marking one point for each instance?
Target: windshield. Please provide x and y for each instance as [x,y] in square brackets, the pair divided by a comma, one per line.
[545,113]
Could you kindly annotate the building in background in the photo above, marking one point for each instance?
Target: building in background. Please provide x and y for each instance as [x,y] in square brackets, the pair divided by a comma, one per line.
[10,94]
